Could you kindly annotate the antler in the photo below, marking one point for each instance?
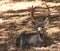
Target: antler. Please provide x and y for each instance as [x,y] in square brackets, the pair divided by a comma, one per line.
[32,13]
[46,21]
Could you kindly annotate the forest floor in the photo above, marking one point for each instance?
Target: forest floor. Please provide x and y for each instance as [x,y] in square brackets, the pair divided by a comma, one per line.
[13,22]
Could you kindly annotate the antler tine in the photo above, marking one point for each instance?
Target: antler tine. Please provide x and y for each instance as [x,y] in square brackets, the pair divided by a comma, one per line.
[32,13]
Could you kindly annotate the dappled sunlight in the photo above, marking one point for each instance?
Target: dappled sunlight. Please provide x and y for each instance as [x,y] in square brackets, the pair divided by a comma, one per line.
[24,5]
[53,30]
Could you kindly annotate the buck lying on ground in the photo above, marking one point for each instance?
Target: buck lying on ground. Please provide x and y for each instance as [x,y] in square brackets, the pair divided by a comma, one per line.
[33,39]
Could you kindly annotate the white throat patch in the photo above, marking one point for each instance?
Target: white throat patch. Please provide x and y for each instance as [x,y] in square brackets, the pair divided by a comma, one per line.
[39,28]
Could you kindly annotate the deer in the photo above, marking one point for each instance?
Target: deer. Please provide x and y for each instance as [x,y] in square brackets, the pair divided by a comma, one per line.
[33,39]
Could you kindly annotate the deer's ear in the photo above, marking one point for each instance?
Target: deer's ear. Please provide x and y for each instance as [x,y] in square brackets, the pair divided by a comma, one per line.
[46,22]
[33,22]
